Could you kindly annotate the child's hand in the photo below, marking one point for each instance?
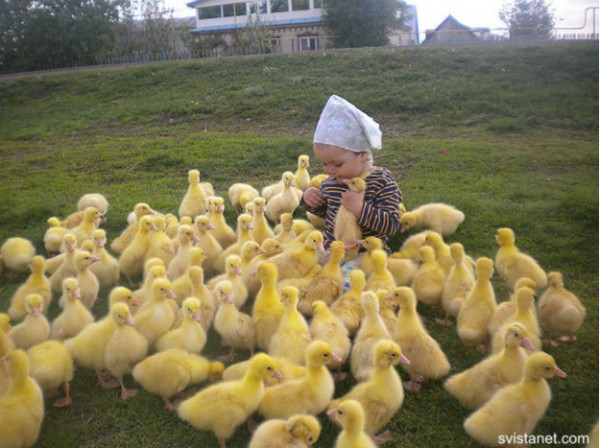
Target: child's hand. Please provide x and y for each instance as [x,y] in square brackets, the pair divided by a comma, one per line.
[353,201]
[313,197]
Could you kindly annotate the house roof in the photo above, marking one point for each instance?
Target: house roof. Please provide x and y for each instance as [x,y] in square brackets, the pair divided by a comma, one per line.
[450,20]
[194,3]
[450,30]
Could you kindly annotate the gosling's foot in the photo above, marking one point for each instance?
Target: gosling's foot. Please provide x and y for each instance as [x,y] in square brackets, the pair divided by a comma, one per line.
[445,321]
[126,393]
[383,437]
[571,338]
[63,402]
[412,386]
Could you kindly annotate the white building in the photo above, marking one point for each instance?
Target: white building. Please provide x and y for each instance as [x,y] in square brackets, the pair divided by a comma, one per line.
[296,25]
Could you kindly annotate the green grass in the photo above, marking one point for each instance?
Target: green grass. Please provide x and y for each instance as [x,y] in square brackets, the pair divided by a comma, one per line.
[519,123]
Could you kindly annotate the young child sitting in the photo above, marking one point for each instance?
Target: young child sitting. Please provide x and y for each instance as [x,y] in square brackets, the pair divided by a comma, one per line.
[344,141]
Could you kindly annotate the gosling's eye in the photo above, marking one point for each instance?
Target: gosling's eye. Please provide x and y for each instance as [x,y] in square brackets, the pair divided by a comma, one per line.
[269,368]
[548,368]
[517,335]
[394,355]
[340,412]
[310,438]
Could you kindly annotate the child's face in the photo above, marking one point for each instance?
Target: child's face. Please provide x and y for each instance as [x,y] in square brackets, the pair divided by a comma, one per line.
[341,163]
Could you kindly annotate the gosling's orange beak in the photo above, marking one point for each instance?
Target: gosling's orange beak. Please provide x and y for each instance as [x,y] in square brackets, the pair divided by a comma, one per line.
[335,358]
[404,360]
[559,373]
[526,343]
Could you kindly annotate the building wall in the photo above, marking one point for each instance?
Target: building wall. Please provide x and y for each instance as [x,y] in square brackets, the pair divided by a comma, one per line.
[292,30]
[291,39]
[452,31]
[404,37]
[244,10]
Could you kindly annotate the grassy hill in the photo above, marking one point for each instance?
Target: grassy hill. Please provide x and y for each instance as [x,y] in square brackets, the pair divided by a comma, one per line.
[520,128]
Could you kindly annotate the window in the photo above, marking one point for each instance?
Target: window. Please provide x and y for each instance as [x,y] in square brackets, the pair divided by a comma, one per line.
[276,45]
[260,7]
[300,5]
[307,43]
[209,12]
[279,6]
[234,9]
[318,3]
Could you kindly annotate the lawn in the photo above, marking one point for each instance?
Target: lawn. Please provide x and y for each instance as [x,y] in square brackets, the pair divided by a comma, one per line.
[519,124]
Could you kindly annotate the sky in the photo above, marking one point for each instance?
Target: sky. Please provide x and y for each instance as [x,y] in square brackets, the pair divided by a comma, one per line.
[472,13]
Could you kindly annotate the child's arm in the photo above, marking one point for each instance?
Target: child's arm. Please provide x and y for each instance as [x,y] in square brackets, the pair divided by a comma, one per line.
[353,201]
[381,214]
[314,202]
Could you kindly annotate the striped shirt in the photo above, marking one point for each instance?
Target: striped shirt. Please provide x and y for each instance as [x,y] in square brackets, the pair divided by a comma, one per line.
[380,215]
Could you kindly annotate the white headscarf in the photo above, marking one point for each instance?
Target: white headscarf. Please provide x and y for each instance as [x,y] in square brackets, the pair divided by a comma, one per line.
[343,124]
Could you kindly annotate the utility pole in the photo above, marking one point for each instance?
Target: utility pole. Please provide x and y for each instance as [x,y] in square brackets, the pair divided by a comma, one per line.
[594,11]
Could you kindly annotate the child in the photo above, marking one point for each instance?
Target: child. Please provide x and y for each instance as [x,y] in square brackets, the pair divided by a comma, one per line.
[344,141]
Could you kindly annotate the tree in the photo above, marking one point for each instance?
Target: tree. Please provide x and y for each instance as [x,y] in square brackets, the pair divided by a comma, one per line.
[13,14]
[148,30]
[362,23]
[56,33]
[254,38]
[527,18]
